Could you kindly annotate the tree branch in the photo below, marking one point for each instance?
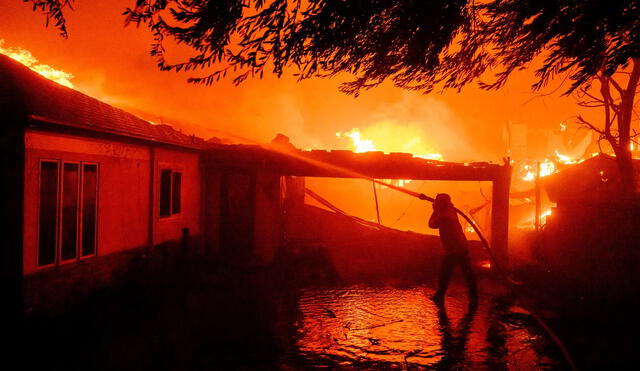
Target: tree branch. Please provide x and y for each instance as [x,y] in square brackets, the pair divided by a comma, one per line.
[604,90]
[616,86]
[589,125]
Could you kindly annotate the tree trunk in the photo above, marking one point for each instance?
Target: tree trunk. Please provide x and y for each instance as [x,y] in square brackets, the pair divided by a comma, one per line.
[625,116]
[625,166]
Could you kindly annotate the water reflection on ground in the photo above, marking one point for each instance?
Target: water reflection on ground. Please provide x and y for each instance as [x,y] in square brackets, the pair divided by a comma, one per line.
[389,327]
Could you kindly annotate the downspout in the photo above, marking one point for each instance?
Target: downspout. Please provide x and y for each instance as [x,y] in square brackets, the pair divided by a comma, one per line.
[152,182]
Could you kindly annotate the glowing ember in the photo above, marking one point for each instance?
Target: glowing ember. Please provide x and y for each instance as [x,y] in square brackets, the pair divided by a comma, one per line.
[431,156]
[603,177]
[529,170]
[530,222]
[25,57]
[547,167]
[563,127]
[563,159]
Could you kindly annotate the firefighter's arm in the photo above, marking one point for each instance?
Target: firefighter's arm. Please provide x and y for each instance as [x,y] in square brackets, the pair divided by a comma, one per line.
[434,220]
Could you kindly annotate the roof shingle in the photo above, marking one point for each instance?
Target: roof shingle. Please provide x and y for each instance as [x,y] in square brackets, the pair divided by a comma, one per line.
[27,93]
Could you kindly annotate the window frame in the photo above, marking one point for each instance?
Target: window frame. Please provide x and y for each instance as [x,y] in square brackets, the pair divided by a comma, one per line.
[81,215]
[58,261]
[57,217]
[172,171]
[61,194]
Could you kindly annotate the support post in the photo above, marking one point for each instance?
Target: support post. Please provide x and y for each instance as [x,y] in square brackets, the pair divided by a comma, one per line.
[500,215]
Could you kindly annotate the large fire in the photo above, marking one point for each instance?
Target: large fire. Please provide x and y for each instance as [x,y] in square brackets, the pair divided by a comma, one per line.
[409,144]
[529,171]
[25,57]
[360,145]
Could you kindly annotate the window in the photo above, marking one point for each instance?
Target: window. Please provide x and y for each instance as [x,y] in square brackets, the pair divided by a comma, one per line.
[68,211]
[170,192]
[70,193]
[89,208]
[48,213]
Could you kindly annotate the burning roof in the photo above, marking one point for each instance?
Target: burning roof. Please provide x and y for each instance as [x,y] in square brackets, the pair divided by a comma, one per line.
[594,179]
[29,95]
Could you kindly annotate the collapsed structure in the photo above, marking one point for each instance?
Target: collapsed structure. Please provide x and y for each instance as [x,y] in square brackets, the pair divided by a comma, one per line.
[89,188]
[593,227]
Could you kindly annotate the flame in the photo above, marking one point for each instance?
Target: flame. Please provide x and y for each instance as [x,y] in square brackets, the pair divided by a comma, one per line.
[566,160]
[530,222]
[361,145]
[547,167]
[563,127]
[529,170]
[411,145]
[25,57]
[431,156]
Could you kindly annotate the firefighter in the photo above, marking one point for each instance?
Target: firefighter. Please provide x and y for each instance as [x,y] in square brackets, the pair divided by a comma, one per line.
[454,242]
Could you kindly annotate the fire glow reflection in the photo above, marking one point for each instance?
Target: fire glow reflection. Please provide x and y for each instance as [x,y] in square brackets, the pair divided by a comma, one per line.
[401,327]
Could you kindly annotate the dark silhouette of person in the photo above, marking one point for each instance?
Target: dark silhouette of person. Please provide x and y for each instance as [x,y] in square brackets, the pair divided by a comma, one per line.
[454,242]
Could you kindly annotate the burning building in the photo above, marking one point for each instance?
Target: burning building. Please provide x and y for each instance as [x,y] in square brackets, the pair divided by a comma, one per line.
[91,190]
[593,227]
[88,187]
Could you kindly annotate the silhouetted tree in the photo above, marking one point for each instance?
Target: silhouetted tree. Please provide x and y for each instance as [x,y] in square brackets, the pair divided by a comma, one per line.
[53,12]
[615,95]
[416,44]
[588,42]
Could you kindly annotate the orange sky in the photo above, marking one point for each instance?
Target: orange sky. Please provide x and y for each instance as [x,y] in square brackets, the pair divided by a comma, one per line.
[112,63]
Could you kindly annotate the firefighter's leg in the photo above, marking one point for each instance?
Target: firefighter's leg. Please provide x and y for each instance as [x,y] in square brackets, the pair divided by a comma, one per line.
[448,264]
[470,277]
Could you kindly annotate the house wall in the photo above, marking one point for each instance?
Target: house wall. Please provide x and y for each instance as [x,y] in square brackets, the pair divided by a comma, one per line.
[237,215]
[129,225]
[123,189]
[170,228]
[243,214]
[211,212]
[268,220]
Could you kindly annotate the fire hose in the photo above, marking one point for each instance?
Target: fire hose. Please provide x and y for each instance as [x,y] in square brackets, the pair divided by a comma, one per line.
[514,285]
[485,243]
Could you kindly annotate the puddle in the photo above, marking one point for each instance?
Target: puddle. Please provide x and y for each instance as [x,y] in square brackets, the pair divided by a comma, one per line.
[389,327]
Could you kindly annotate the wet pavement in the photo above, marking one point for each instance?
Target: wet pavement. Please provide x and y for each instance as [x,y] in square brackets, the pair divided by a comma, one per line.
[212,318]
[375,327]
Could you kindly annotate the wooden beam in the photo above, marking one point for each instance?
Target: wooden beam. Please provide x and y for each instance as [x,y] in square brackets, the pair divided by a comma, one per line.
[347,164]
